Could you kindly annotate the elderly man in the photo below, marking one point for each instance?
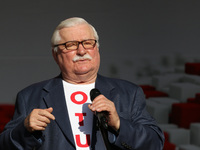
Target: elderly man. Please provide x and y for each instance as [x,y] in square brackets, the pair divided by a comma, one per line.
[58,114]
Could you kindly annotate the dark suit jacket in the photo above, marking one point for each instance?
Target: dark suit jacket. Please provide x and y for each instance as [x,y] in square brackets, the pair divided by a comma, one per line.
[138,130]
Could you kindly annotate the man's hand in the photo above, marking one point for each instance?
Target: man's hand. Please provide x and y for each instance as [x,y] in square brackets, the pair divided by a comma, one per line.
[38,119]
[101,103]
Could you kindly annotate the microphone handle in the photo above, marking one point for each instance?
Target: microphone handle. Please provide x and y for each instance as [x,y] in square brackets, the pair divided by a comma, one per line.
[100,115]
[102,118]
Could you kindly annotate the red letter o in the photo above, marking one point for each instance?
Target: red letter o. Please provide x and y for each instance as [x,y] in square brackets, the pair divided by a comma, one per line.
[79,102]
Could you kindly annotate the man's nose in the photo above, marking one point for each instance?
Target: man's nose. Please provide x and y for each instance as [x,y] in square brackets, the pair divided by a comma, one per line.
[81,50]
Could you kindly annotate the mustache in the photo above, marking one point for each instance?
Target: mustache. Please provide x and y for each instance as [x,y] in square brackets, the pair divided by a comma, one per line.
[86,56]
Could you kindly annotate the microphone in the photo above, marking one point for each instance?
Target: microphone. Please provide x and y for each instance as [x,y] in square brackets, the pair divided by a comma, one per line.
[102,116]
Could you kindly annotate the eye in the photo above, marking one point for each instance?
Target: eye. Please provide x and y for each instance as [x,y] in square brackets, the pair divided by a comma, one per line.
[61,47]
[88,43]
[71,45]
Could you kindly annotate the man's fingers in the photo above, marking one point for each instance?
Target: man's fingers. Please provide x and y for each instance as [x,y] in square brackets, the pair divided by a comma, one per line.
[38,119]
[47,113]
[39,126]
[44,119]
[50,109]
[100,103]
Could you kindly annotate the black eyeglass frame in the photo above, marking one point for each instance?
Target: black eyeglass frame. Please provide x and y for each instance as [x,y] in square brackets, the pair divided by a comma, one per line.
[79,42]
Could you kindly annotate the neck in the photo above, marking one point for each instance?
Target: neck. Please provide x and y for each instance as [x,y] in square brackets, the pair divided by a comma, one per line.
[80,79]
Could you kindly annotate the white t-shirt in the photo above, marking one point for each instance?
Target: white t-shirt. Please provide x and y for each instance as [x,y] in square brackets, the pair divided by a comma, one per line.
[81,117]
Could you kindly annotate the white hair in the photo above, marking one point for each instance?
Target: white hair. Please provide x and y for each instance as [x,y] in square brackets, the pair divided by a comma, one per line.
[71,22]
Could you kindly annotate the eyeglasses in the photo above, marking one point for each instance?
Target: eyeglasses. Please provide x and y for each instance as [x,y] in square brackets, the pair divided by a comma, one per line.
[73,45]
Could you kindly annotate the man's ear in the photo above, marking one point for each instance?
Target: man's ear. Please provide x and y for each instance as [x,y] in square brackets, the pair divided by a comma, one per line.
[55,55]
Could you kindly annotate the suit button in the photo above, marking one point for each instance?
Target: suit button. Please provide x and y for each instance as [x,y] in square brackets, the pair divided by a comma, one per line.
[126,145]
[123,143]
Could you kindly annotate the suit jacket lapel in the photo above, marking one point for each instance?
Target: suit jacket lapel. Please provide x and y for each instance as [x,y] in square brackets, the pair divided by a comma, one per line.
[56,99]
[104,87]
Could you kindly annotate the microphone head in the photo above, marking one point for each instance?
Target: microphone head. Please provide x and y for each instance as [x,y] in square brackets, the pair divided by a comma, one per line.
[94,93]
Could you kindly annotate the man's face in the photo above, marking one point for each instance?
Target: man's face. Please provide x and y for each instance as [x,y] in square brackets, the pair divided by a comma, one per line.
[86,68]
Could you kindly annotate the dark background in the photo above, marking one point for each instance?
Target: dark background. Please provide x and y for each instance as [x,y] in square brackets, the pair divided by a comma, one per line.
[138,38]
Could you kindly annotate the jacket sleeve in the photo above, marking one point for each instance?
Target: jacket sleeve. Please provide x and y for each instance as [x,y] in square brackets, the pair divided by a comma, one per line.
[138,130]
[15,136]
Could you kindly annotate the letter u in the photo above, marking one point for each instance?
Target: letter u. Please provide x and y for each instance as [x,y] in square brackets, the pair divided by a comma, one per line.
[78,141]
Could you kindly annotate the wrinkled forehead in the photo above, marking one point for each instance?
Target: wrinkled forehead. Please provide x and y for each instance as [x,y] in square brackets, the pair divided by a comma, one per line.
[78,32]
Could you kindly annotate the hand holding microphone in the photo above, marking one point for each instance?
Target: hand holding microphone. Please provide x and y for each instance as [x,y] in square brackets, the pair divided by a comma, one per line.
[105,109]
[103,115]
